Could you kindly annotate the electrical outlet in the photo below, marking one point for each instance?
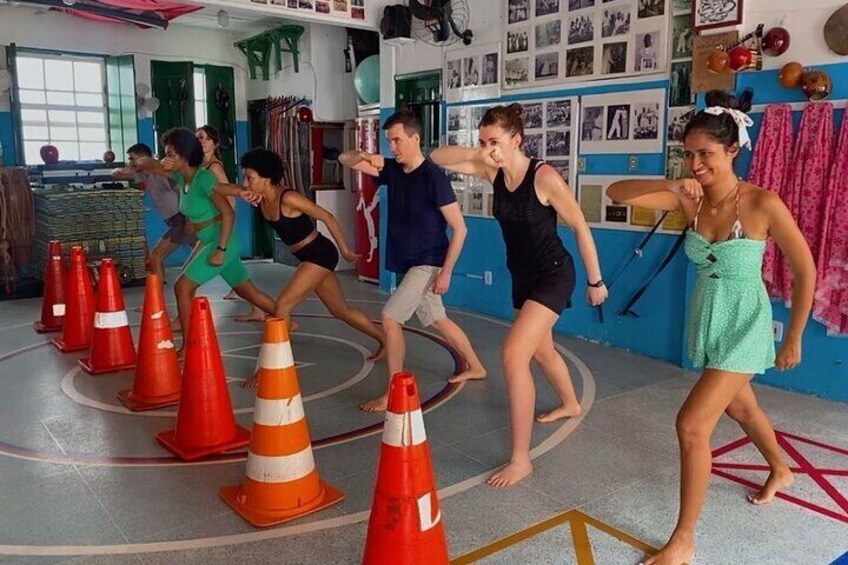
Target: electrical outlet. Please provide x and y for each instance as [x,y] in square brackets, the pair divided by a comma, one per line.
[487,277]
[632,163]
[581,164]
[777,327]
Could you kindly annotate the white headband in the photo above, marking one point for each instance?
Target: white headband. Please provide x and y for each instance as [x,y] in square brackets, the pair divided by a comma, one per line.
[741,118]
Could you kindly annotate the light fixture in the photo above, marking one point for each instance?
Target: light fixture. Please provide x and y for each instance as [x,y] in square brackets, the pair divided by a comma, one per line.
[69,2]
[223,18]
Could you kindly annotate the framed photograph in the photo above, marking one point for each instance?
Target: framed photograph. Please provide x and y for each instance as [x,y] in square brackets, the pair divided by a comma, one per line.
[681,37]
[490,68]
[546,7]
[581,29]
[532,114]
[454,73]
[616,21]
[580,62]
[623,122]
[472,73]
[519,11]
[558,114]
[516,71]
[533,145]
[646,120]
[651,8]
[614,58]
[557,143]
[517,41]
[646,51]
[547,66]
[548,34]
[711,14]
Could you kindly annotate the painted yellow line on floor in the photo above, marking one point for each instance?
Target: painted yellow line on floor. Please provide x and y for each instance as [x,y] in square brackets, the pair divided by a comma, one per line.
[578,523]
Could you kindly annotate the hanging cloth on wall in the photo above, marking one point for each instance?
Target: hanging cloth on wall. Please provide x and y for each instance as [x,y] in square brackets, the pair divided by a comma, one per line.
[831,302]
[806,190]
[770,169]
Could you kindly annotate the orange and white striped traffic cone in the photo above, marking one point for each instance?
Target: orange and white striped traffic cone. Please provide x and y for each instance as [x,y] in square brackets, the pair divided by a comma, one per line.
[281,482]
[405,526]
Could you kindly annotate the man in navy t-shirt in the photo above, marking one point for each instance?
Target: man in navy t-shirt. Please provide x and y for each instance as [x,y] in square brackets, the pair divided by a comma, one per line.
[422,205]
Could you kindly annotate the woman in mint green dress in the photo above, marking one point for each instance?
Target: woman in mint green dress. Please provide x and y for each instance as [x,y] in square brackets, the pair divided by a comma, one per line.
[730,318]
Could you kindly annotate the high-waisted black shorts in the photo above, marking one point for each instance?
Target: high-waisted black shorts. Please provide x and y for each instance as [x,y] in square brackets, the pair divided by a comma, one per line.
[321,252]
[552,289]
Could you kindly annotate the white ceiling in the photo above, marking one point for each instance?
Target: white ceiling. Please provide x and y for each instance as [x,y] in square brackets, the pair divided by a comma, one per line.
[239,21]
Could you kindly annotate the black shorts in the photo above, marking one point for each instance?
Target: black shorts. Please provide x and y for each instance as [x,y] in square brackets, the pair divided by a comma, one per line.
[552,289]
[321,252]
[176,232]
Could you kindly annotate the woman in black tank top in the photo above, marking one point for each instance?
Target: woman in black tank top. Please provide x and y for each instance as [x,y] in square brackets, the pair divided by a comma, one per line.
[528,196]
[293,216]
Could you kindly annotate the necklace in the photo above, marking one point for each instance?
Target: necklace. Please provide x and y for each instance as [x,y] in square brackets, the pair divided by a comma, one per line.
[714,207]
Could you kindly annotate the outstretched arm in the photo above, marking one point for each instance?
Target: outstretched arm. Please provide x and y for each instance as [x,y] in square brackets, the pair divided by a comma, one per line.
[790,240]
[295,200]
[234,190]
[150,165]
[466,161]
[369,163]
[557,193]
[456,223]
[681,195]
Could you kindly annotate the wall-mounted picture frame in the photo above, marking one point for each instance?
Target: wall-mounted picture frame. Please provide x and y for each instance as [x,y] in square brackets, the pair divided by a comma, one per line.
[711,14]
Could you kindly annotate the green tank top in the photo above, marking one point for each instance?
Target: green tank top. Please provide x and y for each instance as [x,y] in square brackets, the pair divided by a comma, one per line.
[196,197]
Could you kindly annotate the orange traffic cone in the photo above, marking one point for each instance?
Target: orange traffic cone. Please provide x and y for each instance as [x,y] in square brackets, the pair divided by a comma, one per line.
[112,346]
[281,482]
[205,423]
[79,306]
[405,527]
[157,374]
[53,304]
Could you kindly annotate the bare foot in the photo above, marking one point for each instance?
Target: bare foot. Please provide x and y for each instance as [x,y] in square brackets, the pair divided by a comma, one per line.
[379,354]
[253,316]
[252,382]
[469,375]
[510,474]
[778,479]
[674,553]
[376,405]
[231,295]
[559,413]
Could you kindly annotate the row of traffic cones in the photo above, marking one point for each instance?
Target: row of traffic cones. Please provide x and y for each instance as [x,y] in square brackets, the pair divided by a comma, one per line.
[69,305]
[281,481]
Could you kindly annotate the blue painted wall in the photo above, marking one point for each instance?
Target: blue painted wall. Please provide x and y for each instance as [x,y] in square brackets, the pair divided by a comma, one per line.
[7,138]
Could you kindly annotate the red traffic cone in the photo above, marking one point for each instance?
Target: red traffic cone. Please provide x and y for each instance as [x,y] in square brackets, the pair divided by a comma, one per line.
[53,304]
[205,422]
[157,373]
[79,306]
[112,346]
[405,526]
[281,481]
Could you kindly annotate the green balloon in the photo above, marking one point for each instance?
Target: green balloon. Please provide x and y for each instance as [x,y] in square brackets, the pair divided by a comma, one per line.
[366,79]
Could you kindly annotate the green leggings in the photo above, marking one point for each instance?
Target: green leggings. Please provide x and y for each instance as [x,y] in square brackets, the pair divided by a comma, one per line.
[198,269]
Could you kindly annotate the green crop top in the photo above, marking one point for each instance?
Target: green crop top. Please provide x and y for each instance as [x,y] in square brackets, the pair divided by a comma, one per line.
[196,199]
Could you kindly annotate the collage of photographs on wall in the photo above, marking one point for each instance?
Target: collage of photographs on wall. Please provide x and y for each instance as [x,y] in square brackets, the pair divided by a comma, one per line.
[472,73]
[354,9]
[681,99]
[547,136]
[554,41]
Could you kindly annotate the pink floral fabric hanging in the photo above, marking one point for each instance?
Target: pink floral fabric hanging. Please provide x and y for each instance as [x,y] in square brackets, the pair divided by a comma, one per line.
[806,191]
[770,169]
[831,302]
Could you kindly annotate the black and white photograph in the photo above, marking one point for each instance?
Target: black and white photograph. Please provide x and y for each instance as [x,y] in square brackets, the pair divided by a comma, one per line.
[490,68]
[517,71]
[517,41]
[646,120]
[293,4]
[454,72]
[560,166]
[558,113]
[533,145]
[592,126]
[675,165]
[547,65]
[678,6]
[614,58]
[709,14]
[546,7]
[477,113]
[646,51]
[680,91]
[519,11]
[360,3]
[532,114]
[616,21]
[580,4]
[681,37]
[677,120]
[580,61]
[548,34]
[458,139]
[471,71]
[557,143]
[618,122]
[651,8]
[457,119]
[581,29]
[307,4]
[322,7]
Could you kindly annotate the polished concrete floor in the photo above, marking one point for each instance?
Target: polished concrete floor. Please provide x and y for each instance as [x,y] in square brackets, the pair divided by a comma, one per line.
[83,481]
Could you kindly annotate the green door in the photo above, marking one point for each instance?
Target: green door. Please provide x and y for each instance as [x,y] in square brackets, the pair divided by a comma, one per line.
[422,93]
[221,113]
[173,85]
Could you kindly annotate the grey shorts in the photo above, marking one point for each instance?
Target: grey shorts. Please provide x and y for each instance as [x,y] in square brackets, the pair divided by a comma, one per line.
[176,232]
[415,296]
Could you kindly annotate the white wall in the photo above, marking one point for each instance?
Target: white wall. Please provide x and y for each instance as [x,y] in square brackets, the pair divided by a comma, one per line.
[804,19]
[177,43]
